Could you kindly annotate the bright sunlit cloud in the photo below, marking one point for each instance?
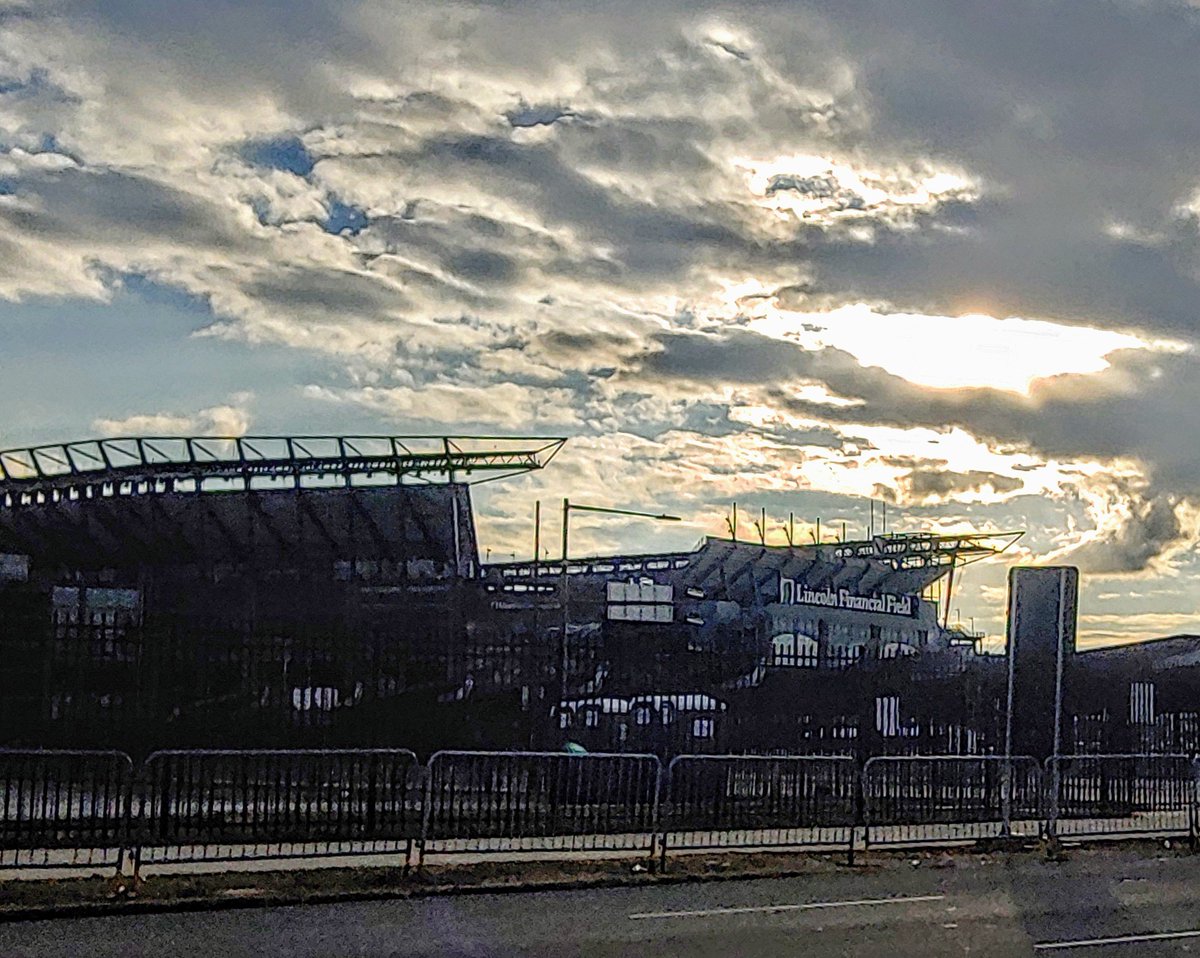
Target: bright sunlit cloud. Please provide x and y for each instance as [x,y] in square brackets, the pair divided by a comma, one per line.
[955,351]
[817,186]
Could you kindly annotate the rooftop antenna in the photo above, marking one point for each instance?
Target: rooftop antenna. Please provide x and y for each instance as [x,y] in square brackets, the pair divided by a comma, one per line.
[791,529]
[843,530]
[732,524]
[872,518]
[537,532]
[761,526]
[818,538]
[885,517]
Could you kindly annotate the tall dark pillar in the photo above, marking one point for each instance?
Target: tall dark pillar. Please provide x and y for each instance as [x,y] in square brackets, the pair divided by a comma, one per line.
[1042,610]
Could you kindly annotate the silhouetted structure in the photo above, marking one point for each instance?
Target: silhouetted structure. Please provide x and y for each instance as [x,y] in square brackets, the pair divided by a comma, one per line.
[1042,615]
[320,591]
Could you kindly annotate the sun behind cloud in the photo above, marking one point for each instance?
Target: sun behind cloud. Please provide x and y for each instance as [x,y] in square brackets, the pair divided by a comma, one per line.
[949,352]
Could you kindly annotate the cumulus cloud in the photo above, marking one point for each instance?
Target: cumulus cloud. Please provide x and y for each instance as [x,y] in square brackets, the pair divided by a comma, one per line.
[934,484]
[226,421]
[524,217]
[1149,528]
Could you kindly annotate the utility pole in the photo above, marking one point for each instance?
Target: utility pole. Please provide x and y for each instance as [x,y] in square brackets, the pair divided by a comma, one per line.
[565,602]
[537,605]
[565,582]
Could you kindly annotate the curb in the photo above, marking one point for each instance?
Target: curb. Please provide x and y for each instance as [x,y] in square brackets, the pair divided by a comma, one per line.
[125,907]
[234,899]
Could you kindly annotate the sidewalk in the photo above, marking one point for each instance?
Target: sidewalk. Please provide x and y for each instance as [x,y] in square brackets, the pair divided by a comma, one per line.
[223,859]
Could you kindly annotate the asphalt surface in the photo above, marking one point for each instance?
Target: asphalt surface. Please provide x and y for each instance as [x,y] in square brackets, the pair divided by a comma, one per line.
[1108,903]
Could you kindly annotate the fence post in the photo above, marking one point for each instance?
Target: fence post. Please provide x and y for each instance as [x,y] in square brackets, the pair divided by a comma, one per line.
[864,776]
[856,784]
[1005,795]
[1052,785]
[125,828]
[426,809]
[655,820]
[145,816]
[1194,807]
[663,827]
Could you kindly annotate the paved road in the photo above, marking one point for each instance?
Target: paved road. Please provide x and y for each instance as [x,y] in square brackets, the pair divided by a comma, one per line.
[1107,903]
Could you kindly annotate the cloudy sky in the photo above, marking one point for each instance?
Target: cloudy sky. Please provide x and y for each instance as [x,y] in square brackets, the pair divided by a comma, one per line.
[795,255]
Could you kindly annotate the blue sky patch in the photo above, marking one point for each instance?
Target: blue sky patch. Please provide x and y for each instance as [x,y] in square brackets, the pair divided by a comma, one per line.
[344,218]
[287,154]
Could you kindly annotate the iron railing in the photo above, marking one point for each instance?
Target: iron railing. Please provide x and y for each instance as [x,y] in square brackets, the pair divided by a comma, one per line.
[1121,795]
[540,801]
[232,805]
[910,800]
[748,801]
[72,809]
[64,808]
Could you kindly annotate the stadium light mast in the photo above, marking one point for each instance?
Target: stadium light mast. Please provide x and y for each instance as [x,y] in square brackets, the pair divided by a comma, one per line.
[565,588]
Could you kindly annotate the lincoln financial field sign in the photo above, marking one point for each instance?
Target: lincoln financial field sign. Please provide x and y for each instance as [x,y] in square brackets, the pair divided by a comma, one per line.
[888,603]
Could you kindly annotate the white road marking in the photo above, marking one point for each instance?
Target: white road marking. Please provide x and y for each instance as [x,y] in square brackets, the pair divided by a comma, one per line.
[1122,940]
[804,906]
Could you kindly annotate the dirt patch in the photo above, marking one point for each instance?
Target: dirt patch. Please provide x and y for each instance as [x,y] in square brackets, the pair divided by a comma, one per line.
[20,900]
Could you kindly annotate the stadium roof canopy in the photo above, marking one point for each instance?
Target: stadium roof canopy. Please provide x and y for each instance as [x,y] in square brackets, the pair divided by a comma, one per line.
[899,563]
[104,468]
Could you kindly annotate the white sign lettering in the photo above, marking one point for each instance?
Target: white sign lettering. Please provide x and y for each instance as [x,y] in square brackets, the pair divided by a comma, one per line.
[887,603]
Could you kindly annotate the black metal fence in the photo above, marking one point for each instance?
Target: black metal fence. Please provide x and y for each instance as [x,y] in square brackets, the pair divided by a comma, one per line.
[747,801]
[910,800]
[1121,795]
[540,801]
[71,809]
[64,809]
[226,805]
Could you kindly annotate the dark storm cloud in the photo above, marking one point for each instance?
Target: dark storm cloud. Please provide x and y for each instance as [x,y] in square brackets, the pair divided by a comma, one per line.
[734,356]
[1078,114]
[576,345]
[1132,410]
[931,482]
[651,239]
[818,187]
[526,115]
[219,44]
[1152,527]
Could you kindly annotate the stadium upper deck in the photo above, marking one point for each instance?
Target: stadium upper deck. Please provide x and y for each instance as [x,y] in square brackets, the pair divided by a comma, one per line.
[119,503]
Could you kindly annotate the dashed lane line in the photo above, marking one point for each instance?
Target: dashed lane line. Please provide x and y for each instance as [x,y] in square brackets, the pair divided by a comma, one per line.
[1120,940]
[771,909]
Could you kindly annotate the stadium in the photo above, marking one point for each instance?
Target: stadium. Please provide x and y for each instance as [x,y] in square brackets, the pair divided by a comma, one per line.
[328,591]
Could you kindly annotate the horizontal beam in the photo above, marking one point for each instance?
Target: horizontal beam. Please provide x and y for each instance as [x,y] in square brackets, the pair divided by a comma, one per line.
[124,467]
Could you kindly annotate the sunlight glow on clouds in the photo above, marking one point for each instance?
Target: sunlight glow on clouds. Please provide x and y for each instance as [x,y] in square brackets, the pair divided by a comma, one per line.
[816,186]
[946,352]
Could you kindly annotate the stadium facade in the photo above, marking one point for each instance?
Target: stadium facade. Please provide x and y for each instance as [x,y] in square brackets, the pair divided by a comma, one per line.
[328,591]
